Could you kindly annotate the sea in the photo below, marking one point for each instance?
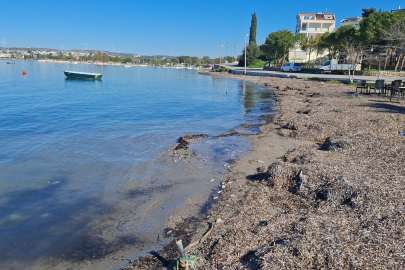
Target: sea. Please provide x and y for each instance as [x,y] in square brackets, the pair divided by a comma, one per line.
[88,175]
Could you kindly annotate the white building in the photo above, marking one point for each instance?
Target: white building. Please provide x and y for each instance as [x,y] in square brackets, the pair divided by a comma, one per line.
[398,9]
[5,55]
[312,24]
[353,21]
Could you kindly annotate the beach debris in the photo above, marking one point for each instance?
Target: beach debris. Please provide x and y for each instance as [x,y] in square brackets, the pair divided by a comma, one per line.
[315,95]
[193,244]
[219,220]
[216,197]
[184,141]
[179,244]
[212,179]
[302,179]
[184,262]
[355,95]
[401,133]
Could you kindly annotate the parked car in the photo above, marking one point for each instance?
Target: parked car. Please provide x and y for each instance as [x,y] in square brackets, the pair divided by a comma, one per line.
[290,67]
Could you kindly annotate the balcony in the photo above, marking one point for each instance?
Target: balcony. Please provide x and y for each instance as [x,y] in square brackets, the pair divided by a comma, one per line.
[315,29]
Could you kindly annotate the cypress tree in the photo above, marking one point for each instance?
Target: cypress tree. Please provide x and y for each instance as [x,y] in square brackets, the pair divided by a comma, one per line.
[253,27]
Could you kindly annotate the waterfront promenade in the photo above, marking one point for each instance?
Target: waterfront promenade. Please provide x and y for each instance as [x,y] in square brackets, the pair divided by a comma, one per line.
[260,72]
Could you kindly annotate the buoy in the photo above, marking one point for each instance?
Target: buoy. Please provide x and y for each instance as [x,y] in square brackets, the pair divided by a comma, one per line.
[24,72]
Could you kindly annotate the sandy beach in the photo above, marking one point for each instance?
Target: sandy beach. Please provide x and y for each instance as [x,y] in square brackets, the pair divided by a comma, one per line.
[321,188]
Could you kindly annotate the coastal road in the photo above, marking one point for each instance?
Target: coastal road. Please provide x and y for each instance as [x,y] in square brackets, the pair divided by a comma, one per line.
[299,75]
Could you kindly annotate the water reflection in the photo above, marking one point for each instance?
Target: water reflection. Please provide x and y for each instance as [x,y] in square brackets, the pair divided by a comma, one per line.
[83,80]
[251,97]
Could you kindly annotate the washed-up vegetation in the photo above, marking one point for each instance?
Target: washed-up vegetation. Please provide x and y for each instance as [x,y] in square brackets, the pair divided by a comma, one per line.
[340,203]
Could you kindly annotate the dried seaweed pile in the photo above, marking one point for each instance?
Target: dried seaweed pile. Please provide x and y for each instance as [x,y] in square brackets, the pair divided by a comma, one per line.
[340,203]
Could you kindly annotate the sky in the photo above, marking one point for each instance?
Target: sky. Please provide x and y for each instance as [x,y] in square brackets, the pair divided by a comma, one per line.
[160,27]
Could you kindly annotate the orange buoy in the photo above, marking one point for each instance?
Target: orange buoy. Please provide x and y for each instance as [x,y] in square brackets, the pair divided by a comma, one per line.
[24,72]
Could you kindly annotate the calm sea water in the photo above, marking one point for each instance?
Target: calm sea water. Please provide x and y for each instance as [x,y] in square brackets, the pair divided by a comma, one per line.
[78,156]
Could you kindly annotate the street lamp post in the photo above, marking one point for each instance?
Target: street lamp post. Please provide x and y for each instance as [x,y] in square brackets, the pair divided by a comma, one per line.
[245,51]
[220,49]
[226,53]
[235,53]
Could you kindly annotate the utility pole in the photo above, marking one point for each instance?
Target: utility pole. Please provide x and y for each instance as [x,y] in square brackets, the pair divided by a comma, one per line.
[235,53]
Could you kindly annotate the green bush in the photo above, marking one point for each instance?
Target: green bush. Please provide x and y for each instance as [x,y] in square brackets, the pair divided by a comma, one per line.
[258,63]
[221,70]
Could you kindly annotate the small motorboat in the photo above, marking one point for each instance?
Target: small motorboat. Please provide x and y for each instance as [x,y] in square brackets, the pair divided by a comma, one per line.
[82,75]
[10,63]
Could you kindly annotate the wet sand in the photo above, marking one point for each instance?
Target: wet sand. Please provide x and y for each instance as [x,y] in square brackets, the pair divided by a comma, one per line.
[322,187]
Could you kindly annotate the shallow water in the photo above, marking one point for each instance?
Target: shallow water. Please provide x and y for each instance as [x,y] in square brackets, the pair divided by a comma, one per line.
[85,168]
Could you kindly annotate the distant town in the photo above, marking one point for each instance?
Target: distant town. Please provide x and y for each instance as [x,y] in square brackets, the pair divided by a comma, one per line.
[93,56]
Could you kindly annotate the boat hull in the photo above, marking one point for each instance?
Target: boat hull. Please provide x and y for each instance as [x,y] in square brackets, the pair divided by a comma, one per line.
[82,75]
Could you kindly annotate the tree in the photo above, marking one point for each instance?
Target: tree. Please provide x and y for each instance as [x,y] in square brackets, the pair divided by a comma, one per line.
[194,60]
[253,28]
[206,60]
[229,59]
[252,53]
[278,44]
[395,34]
[367,12]
[127,60]
[311,44]
[97,56]
[373,27]
[252,50]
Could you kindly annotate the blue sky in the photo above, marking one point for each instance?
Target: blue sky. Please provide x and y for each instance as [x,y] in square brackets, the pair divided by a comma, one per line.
[164,27]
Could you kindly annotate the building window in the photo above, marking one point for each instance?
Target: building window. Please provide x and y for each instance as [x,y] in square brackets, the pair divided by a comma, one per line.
[306,17]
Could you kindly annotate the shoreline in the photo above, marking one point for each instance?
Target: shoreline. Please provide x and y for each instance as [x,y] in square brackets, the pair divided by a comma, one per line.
[235,177]
[325,203]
